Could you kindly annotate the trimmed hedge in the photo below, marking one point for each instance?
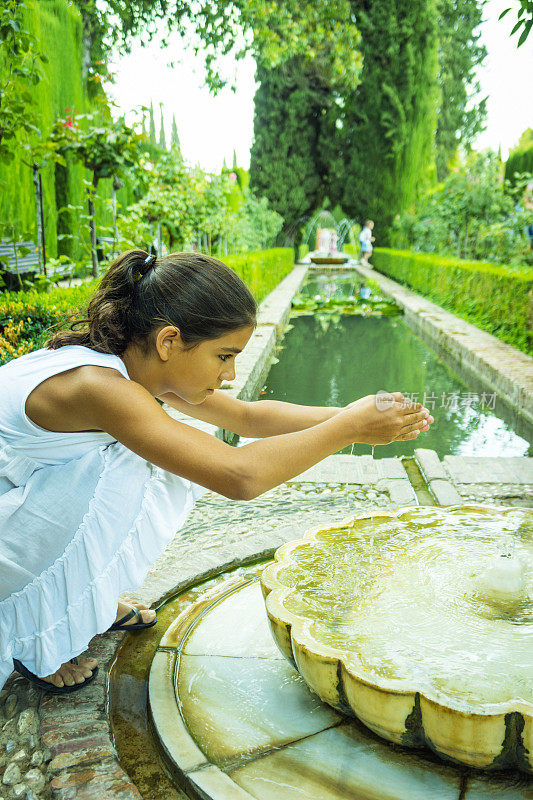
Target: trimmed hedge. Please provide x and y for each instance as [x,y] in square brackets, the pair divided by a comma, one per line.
[263,270]
[490,296]
[27,317]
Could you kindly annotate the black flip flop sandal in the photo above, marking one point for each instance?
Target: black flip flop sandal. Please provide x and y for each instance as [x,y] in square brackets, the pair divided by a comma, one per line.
[137,626]
[49,687]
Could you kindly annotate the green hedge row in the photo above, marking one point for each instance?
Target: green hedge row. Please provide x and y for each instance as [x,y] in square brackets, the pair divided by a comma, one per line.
[488,295]
[26,317]
[263,270]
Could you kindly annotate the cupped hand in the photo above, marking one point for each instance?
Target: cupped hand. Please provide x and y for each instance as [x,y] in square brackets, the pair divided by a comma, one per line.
[387,417]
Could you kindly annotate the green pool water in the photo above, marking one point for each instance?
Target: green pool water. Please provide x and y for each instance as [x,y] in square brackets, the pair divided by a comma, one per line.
[335,360]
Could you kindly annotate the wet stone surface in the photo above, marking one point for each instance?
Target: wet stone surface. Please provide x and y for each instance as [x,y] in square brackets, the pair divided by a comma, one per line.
[23,758]
[282,514]
[500,494]
[286,512]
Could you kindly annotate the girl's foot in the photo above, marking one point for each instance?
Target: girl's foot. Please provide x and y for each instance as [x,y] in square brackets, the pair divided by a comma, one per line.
[70,674]
[147,615]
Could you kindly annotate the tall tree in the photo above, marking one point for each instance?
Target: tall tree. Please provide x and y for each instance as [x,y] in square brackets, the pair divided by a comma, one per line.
[174,136]
[286,164]
[274,32]
[162,137]
[152,137]
[460,118]
[388,123]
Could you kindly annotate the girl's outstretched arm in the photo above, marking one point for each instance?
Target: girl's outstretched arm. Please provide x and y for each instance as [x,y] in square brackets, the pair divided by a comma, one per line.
[256,419]
[129,413]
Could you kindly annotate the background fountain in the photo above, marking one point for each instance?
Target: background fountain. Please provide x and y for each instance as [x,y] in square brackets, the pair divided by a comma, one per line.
[328,237]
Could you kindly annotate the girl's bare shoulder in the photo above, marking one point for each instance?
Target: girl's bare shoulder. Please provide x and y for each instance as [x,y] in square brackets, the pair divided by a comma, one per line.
[62,402]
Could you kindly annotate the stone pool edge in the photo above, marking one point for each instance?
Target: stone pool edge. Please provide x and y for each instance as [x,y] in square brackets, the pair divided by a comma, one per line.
[501,367]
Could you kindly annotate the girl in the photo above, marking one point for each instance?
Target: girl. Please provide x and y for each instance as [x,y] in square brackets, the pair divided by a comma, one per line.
[95,477]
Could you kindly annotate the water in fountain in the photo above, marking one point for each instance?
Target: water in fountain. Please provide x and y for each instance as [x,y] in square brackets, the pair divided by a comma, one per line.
[425,600]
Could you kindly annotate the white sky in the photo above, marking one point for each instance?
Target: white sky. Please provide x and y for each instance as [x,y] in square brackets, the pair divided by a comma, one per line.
[211,127]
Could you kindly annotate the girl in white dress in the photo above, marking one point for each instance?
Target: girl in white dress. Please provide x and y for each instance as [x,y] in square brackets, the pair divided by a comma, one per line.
[96,478]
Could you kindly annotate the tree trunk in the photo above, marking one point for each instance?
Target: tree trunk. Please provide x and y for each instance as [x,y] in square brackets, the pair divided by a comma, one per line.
[92,226]
[43,230]
[38,214]
[159,240]
[114,205]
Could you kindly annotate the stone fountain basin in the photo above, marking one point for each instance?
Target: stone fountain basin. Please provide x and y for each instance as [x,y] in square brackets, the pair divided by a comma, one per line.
[330,259]
[401,708]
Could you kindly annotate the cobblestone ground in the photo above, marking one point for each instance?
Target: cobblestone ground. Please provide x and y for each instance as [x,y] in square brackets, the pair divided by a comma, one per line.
[293,509]
[215,522]
[23,760]
[501,494]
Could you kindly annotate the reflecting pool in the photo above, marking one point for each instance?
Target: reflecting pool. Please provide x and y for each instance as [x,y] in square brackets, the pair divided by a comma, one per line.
[335,359]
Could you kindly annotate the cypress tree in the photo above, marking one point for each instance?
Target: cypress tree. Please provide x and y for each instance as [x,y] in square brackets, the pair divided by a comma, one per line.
[460,54]
[174,137]
[153,140]
[389,121]
[285,164]
[162,138]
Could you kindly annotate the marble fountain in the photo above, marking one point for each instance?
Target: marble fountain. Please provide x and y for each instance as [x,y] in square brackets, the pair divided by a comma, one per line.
[394,662]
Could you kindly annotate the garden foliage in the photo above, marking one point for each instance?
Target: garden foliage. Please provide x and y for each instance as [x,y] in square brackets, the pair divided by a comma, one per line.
[26,318]
[487,295]
[389,121]
[196,207]
[473,214]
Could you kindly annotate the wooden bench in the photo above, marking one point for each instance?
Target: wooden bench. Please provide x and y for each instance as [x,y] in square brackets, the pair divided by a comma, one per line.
[106,247]
[13,255]
[24,258]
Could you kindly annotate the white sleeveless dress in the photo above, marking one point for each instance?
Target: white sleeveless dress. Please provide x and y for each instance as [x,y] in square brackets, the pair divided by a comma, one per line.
[81,519]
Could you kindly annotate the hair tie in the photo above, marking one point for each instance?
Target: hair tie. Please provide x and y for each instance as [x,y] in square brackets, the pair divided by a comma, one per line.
[147,264]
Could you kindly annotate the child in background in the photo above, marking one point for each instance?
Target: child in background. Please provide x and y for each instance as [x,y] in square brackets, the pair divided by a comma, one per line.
[95,476]
[366,239]
[364,291]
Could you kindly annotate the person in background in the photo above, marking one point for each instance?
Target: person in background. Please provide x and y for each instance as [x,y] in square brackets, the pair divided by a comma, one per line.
[366,239]
[364,291]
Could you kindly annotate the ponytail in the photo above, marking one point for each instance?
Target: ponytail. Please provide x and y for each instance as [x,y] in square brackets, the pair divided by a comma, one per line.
[139,293]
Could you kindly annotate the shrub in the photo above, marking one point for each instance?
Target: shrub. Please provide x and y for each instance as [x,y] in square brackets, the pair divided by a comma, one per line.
[26,318]
[496,299]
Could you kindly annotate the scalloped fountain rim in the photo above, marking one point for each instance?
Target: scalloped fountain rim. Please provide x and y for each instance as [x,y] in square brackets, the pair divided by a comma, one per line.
[275,593]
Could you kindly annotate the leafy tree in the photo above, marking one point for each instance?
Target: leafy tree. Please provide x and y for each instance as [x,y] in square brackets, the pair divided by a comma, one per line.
[19,73]
[388,122]
[520,161]
[459,118]
[287,166]
[274,32]
[524,20]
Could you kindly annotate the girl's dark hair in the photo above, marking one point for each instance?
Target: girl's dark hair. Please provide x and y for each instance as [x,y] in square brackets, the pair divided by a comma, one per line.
[139,293]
